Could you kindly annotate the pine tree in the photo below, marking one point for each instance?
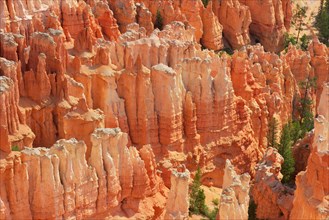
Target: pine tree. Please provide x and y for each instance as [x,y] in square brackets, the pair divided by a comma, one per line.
[295,131]
[322,22]
[272,133]
[197,196]
[299,19]
[288,166]
[158,21]
[305,110]
[304,41]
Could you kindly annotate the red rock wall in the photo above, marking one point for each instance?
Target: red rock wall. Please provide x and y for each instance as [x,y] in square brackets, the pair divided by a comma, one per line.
[311,185]
[75,66]
[115,176]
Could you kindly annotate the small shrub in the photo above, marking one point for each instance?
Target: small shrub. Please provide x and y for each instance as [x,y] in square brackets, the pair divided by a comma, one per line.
[228,50]
[298,19]
[288,39]
[295,131]
[197,196]
[215,201]
[198,199]
[304,41]
[211,215]
[15,148]
[305,111]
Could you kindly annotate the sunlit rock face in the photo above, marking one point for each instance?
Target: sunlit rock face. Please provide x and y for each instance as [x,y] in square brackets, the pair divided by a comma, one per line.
[178,196]
[234,200]
[268,20]
[311,185]
[108,105]
[79,188]
[273,199]
[235,18]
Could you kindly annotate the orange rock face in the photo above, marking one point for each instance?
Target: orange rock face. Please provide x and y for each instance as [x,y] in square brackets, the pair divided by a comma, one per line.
[178,201]
[14,131]
[212,30]
[268,22]
[272,198]
[111,105]
[234,201]
[318,53]
[235,18]
[75,188]
[311,185]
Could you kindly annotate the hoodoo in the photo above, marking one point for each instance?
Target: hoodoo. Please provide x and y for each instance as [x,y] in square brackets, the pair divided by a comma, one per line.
[140,109]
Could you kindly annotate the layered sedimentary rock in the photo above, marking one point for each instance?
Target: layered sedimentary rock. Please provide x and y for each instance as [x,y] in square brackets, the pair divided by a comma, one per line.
[234,200]
[75,188]
[111,67]
[301,151]
[319,61]
[14,131]
[107,21]
[124,12]
[235,18]
[66,71]
[178,201]
[144,17]
[212,29]
[14,189]
[268,22]
[9,123]
[168,103]
[311,195]
[273,199]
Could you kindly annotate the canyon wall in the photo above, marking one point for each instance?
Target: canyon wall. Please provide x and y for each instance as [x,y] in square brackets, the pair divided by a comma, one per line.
[273,199]
[311,195]
[73,72]
[157,86]
[116,178]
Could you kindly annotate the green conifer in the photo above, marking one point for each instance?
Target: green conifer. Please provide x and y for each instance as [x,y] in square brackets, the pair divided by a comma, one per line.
[158,21]
[322,22]
[288,166]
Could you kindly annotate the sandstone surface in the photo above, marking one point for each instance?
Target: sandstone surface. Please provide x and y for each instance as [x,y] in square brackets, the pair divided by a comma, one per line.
[234,201]
[111,105]
[235,18]
[273,199]
[76,188]
[178,200]
[311,195]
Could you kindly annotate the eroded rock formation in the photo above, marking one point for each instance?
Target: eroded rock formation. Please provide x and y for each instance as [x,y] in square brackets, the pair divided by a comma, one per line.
[268,19]
[273,199]
[234,200]
[178,201]
[311,195]
[114,177]
[235,18]
[80,69]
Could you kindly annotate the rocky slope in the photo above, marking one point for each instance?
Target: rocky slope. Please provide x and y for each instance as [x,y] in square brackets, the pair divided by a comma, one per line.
[115,177]
[311,196]
[84,69]
[273,199]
